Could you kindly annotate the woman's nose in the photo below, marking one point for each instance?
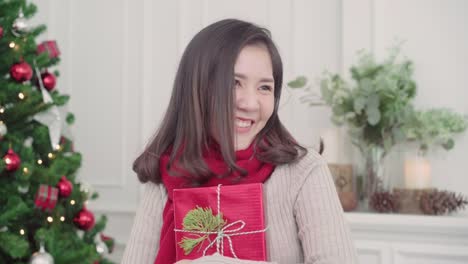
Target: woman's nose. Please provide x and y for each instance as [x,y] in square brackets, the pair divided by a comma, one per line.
[247,99]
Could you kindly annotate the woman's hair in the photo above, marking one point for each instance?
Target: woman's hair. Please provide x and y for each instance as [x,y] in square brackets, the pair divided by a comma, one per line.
[202,105]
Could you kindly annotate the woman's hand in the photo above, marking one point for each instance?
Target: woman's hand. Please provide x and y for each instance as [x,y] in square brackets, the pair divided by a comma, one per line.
[184,261]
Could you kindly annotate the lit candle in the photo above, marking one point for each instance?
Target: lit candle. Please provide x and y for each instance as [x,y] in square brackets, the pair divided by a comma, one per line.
[417,173]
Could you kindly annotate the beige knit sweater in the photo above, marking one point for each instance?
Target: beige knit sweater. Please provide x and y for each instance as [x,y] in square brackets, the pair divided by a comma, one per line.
[304,217]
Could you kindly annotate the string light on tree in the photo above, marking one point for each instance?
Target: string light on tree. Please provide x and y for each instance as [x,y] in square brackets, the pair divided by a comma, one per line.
[39,161]
[12,45]
[50,219]
[22,232]
[21,96]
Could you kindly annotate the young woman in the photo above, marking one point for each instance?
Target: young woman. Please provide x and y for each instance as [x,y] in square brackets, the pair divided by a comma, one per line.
[222,126]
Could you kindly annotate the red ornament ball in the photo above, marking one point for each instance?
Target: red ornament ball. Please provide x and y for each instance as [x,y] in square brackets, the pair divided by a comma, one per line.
[49,80]
[21,71]
[84,220]
[12,160]
[65,187]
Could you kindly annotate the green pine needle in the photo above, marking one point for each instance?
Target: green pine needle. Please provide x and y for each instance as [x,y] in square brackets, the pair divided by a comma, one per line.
[203,220]
[16,246]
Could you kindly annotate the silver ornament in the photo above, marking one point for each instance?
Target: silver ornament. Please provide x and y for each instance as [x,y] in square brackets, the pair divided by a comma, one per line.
[3,129]
[87,189]
[101,248]
[28,142]
[23,189]
[41,257]
[20,25]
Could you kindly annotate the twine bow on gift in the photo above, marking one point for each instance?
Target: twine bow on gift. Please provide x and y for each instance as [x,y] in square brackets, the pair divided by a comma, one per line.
[201,221]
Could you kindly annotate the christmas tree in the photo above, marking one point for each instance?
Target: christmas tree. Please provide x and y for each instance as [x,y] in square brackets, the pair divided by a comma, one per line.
[43,214]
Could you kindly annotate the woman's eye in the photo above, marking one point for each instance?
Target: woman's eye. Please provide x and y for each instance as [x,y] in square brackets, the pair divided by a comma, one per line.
[265,88]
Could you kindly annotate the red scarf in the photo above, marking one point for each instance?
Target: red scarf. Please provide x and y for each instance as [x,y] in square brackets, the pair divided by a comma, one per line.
[257,172]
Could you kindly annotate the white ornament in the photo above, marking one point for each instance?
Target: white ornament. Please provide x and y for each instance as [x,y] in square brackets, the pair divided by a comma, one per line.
[3,129]
[101,248]
[20,25]
[28,142]
[23,189]
[41,257]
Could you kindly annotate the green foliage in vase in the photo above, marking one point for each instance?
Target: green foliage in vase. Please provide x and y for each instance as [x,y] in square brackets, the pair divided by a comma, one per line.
[375,106]
[435,127]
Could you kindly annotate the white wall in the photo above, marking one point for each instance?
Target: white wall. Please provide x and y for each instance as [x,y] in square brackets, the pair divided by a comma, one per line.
[119,60]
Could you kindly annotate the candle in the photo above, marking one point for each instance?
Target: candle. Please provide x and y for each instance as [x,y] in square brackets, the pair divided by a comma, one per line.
[417,173]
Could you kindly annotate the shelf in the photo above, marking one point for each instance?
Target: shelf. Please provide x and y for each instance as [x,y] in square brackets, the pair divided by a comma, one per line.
[408,225]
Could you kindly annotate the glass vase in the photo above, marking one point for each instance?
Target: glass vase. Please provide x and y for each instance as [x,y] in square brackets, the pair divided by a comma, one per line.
[373,174]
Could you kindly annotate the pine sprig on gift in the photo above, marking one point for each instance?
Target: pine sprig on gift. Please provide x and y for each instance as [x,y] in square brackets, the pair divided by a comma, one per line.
[201,220]
[442,202]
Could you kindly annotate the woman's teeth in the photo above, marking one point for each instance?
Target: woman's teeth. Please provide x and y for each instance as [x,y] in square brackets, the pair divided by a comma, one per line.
[242,123]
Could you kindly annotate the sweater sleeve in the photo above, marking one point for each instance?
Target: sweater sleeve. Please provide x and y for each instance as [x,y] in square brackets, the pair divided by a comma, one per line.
[143,243]
[322,228]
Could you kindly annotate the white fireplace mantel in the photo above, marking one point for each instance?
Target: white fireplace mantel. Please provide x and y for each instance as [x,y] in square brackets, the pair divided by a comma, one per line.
[401,239]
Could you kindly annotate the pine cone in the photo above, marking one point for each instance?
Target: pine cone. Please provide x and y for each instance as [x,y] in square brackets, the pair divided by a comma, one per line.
[442,202]
[384,202]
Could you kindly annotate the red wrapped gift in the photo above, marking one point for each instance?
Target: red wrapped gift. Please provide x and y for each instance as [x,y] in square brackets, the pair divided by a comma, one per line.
[46,197]
[50,47]
[239,231]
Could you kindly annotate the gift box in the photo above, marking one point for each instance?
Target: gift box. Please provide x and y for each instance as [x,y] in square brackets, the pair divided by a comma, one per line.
[238,231]
[50,47]
[46,197]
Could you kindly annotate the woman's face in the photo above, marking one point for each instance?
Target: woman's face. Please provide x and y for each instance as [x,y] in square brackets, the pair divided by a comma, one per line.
[255,99]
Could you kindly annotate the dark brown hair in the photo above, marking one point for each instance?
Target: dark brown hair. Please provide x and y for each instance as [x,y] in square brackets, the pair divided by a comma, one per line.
[202,105]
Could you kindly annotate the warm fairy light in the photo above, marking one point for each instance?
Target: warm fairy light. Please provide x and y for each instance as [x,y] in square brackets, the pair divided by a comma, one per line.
[58,147]
[39,161]
[50,219]
[62,218]
[72,202]
[12,44]
[2,110]
[22,232]
[21,96]
[51,155]
[25,170]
